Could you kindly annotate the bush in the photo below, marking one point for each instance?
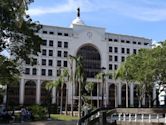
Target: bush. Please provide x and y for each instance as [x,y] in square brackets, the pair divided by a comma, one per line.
[38,112]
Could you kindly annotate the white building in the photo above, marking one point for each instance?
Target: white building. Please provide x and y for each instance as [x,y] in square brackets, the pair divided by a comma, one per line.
[98,48]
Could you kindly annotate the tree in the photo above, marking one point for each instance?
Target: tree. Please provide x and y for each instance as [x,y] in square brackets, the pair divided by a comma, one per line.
[98,77]
[17,30]
[89,87]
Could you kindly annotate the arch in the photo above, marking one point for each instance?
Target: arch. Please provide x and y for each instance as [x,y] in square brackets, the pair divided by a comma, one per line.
[112,95]
[91,59]
[124,95]
[13,94]
[30,92]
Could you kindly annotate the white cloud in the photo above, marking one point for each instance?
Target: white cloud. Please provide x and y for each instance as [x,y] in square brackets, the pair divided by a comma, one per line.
[146,10]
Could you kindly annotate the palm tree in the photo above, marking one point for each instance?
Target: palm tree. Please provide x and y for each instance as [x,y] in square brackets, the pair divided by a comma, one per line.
[89,87]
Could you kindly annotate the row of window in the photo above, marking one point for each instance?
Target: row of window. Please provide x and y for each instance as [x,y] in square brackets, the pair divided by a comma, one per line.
[113,66]
[115,58]
[50,63]
[51,43]
[52,33]
[127,41]
[50,53]
[123,50]
[34,71]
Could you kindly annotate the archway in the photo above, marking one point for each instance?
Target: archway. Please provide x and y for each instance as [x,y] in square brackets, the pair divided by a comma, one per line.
[112,95]
[13,94]
[124,95]
[30,92]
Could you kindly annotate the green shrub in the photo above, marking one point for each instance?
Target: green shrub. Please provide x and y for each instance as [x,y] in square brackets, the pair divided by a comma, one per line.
[39,112]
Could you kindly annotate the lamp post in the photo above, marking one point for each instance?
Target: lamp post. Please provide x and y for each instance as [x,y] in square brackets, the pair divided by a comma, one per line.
[103,82]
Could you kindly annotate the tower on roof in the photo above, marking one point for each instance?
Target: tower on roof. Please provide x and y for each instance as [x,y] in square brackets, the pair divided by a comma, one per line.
[77,20]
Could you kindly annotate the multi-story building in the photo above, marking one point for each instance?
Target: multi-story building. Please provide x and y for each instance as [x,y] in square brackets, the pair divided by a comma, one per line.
[98,49]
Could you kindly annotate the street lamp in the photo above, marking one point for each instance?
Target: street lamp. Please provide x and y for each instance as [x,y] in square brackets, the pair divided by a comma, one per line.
[103,82]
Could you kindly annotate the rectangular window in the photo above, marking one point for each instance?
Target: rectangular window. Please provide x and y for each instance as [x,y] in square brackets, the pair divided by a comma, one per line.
[50,52]
[49,72]
[146,43]
[43,72]
[134,51]
[115,49]
[43,62]
[127,41]
[65,44]
[59,34]
[122,41]
[109,39]
[128,51]
[59,43]
[122,50]
[44,52]
[59,63]
[27,61]
[27,71]
[115,40]
[134,42]
[110,49]
[110,66]
[34,71]
[139,43]
[65,63]
[115,58]
[59,53]
[34,61]
[50,62]
[115,67]
[44,32]
[51,43]
[110,57]
[122,59]
[65,53]
[58,72]
[66,34]
[51,33]
[44,42]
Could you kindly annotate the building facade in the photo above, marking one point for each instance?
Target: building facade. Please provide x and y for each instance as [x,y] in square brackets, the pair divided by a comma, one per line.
[98,49]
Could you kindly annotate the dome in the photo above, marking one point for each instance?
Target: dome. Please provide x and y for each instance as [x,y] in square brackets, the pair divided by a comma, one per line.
[77,21]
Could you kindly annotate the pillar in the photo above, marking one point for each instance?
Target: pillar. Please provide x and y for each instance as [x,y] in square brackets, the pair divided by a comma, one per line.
[154,95]
[38,91]
[21,91]
[131,95]
[119,94]
[53,96]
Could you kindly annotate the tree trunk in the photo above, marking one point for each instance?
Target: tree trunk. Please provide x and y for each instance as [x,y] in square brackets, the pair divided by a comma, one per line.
[115,97]
[61,104]
[79,105]
[72,100]
[149,101]
[91,99]
[127,98]
[98,94]
[66,103]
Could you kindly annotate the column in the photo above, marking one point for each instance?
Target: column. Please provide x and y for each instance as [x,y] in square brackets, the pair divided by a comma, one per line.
[116,96]
[98,95]
[154,95]
[131,95]
[106,92]
[21,91]
[53,96]
[119,94]
[143,101]
[38,92]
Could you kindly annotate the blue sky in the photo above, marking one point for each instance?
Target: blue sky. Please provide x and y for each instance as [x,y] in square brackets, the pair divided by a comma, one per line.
[146,18]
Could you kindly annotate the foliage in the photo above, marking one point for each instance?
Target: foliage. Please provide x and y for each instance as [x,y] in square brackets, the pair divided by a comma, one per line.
[63,117]
[38,112]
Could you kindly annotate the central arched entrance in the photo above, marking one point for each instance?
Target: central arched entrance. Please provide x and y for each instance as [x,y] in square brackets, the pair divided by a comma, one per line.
[92,66]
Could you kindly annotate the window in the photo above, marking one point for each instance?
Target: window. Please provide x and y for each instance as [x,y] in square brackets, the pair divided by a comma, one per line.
[44,42]
[44,52]
[43,62]
[110,66]
[59,63]
[59,34]
[109,39]
[139,43]
[110,57]
[51,43]
[51,32]
[122,59]
[66,34]
[44,32]
[43,72]
[146,43]
[122,50]
[58,72]
[27,61]
[122,41]
[65,53]
[49,72]
[50,52]
[115,40]
[127,41]
[115,67]
[65,64]
[59,53]
[59,43]
[128,51]
[27,71]
[65,44]
[115,58]
[116,49]
[110,49]
[34,71]
[34,61]
[134,42]
[134,51]
[50,62]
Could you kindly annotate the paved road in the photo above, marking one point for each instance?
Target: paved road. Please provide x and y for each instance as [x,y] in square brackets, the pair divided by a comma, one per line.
[45,123]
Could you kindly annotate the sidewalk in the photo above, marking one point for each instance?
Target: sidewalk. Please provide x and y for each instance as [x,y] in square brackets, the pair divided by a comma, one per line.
[45,123]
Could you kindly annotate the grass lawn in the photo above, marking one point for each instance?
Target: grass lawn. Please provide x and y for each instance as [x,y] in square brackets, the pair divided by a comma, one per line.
[63,117]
